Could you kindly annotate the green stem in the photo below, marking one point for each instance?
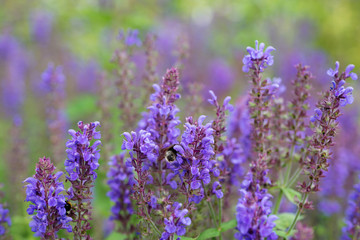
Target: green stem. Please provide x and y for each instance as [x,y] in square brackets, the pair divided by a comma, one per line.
[298,213]
[288,170]
[212,212]
[294,177]
[153,224]
[278,201]
[356,233]
[220,215]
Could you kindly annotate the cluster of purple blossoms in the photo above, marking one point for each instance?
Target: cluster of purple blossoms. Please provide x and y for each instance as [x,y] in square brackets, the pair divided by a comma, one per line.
[352,219]
[130,38]
[43,190]
[121,179]
[195,156]
[253,211]
[176,222]
[257,58]
[80,152]
[4,219]
[141,141]
[340,92]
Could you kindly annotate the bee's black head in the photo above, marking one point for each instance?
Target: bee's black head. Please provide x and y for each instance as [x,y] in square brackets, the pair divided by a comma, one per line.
[170,155]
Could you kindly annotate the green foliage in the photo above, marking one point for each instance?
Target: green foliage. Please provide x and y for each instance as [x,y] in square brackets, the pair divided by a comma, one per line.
[283,223]
[291,194]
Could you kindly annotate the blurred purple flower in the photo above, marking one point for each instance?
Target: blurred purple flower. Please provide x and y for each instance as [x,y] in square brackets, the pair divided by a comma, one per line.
[221,76]
[4,219]
[41,26]
[352,217]
[121,179]
[14,65]
[130,38]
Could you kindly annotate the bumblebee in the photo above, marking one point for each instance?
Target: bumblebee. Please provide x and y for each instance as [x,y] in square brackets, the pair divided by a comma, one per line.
[169,154]
[68,206]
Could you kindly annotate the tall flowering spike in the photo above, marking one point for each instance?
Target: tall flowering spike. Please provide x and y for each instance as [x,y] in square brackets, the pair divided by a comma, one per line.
[261,94]
[121,180]
[53,83]
[352,218]
[162,121]
[253,211]
[14,67]
[175,221]
[81,163]
[325,123]
[43,190]
[257,59]
[142,149]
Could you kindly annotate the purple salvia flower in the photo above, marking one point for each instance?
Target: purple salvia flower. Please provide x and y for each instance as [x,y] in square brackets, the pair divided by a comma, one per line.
[130,38]
[4,219]
[352,218]
[253,211]
[239,126]
[142,150]
[257,58]
[81,163]
[162,121]
[175,221]
[121,179]
[43,190]
[195,161]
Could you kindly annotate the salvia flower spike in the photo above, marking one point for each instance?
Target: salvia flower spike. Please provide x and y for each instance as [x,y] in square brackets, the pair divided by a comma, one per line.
[44,191]
[81,163]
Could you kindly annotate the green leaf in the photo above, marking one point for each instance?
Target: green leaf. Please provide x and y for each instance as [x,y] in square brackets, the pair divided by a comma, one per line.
[184,238]
[228,225]
[290,194]
[283,223]
[117,236]
[208,233]
[285,220]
